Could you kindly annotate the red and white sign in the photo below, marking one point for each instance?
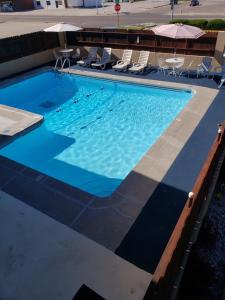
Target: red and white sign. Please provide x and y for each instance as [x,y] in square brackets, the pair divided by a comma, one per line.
[117,7]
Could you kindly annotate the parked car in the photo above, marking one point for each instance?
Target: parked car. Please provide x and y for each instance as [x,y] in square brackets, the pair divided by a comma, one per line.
[6,7]
[173,2]
[194,3]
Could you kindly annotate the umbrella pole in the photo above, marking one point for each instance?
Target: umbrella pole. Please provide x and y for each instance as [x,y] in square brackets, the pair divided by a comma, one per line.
[65,40]
[175,49]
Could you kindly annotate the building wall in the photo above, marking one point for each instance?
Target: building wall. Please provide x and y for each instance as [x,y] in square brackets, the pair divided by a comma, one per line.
[22,4]
[75,3]
[25,63]
[84,3]
[220,47]
[38,4]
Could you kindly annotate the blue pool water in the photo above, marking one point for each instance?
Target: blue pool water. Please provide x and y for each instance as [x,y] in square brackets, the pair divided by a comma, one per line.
[95,131]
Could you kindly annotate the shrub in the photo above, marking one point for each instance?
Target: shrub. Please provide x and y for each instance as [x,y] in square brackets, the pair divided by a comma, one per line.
[133,27]
[180,21]
[201,23]
[218,24]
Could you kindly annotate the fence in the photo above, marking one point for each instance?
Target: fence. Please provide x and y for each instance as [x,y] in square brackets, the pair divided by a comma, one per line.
[164,277]
[143,40]
[24,45]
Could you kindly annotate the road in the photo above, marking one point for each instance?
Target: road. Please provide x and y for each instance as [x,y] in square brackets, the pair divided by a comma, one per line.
[131,13]
[101,21]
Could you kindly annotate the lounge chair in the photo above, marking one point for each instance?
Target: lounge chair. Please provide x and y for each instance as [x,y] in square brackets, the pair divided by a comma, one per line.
[218,71]
[204,67]
[123,64]
[104,60]
[222,80]
[142,63]
[87,61]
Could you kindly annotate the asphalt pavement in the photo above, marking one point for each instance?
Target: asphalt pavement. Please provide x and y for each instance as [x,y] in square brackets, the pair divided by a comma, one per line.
[148,11]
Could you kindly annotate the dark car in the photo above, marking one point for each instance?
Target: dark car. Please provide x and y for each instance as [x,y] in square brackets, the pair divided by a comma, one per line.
[173,2]
[194,3]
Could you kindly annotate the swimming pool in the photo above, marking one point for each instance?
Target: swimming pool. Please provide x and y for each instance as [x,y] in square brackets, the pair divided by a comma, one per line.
[95,131]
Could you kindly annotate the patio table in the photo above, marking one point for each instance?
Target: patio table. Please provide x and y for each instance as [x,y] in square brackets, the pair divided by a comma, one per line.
[174,62]
[66,55]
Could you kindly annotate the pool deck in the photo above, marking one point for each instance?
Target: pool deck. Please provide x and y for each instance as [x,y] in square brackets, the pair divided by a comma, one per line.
[14,122]
[113,244]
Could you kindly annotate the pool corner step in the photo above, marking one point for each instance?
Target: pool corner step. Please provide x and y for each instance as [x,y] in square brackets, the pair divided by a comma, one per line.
[14,122]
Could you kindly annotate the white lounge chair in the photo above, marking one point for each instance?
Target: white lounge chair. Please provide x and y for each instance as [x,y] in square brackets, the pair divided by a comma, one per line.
[142,63]
[87,61]
[218,71]
[123,64]
[204,67]
[104,60]
[222,80]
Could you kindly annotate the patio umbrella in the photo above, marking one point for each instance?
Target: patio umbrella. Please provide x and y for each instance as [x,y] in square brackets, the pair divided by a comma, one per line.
[62,27]
[178,31]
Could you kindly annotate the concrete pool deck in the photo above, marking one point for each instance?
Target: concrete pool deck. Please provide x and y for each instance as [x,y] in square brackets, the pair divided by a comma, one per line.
[135,224]
[42,259]
[168,169]
[14,122]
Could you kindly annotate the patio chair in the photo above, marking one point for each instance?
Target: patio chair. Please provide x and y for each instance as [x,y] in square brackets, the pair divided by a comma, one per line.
[162,66]
[58,57]
[142,63]
[218,71]
[178,67]
[104,60]
[204,67]
[187,70]
[222,80]
[123,64]
[76,54]
[87,61]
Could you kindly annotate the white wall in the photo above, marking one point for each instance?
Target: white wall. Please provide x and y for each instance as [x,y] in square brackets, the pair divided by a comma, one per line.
[92,3]
[25,63]
[44,4]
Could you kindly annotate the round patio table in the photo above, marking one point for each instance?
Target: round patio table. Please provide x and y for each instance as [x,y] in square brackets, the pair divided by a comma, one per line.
[174,61]
[66,56]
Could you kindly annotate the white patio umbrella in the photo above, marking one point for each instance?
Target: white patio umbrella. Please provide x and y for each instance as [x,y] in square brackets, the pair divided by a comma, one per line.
[178,31]
[62,27]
